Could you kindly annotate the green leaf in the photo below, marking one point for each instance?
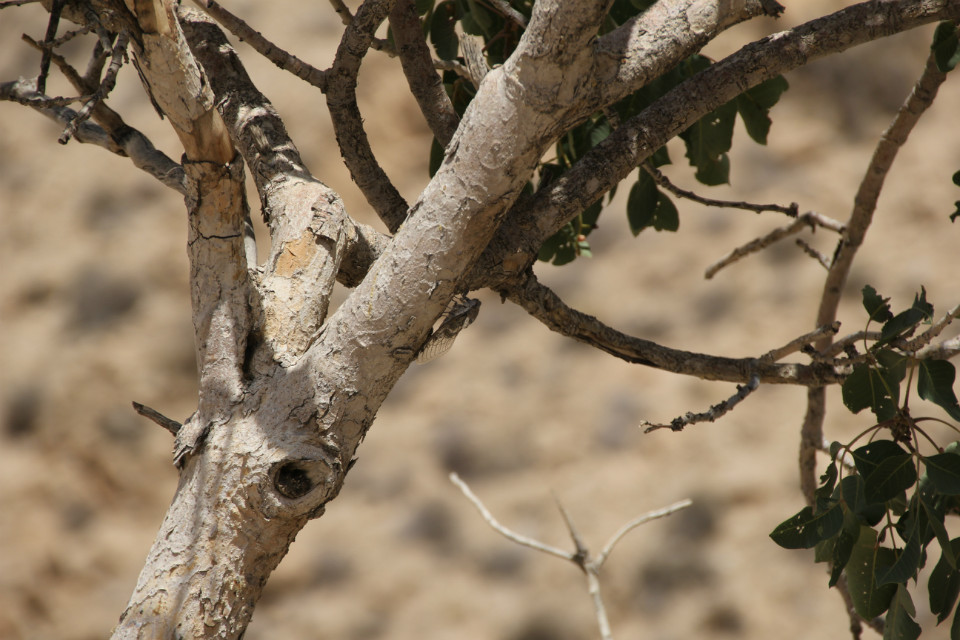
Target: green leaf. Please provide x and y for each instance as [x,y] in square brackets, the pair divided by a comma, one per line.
[899,624]
[442,32]
[647,206]
[754,105]
[867,457]
[935,383]
[843,547]
[943,470]
[475,19]
[852,488]
[877,307]
[866,387]
[946,46]
[892,475]
[935,518]
[423,6]
[806,529]
[902,322]
[642,204]
[907,564]
[943,585]
[869,600]
[708,140]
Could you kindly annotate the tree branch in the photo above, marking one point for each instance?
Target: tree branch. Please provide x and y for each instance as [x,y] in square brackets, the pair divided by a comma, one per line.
[517,243]
[664,182]
[127,142]
[286,61]
[865,202]
[347,122]
[543,304]
[425,84]
[810,219]
[712,414]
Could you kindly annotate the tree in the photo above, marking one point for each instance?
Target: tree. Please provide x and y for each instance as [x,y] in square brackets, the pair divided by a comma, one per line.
[288,391]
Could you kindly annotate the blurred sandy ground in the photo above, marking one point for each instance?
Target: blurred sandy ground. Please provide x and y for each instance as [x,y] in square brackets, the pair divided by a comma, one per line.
[94,311]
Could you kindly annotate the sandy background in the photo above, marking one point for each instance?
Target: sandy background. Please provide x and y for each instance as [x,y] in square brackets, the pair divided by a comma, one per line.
[94,311]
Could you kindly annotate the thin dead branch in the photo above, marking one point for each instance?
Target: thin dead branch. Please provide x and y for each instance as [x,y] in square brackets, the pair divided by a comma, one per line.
[106,86]
[581,556]
[128,142]
[275,54]
[664,182]
[798,343]
[169,424]
[809,219]
[711,414]
[821,258]
[544,305]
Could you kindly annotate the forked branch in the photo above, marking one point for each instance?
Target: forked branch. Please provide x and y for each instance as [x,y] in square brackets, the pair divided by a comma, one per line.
[581,556]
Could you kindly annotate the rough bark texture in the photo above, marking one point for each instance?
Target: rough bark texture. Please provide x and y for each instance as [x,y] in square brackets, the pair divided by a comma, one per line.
[288,393]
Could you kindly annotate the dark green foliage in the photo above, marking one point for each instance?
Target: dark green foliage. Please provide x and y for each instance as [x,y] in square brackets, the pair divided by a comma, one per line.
[895,499]
[946,46]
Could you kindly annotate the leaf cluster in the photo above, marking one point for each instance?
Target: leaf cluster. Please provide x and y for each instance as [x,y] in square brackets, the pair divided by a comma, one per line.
[874,519]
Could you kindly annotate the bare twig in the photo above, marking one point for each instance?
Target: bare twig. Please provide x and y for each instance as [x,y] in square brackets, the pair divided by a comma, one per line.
[809,219]
[504,8]
[664,182]
[169,424]
[547,307]
[452,65]
[16,3]
[841,345]
[106,86]
[798,343]
[813,253]
[581,557]
[125,142]
[278,56]
[55,9]
[935,329]
[502,530]
[865,202]
[942,351]
[636,522]
[711,414]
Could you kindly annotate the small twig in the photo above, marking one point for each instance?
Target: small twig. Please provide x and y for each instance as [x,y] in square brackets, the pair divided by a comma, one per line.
[798,343]
[935,329]
[664,182]
[509,12]
[345,16]
[55,9]
[943,351]
[636,522]
[16,3]
[841,344]
[809,219]
[582,559]
[286,61]
[106,86]
[502,530]
[452,65]
[169,424]
[813,253]
[711,414]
